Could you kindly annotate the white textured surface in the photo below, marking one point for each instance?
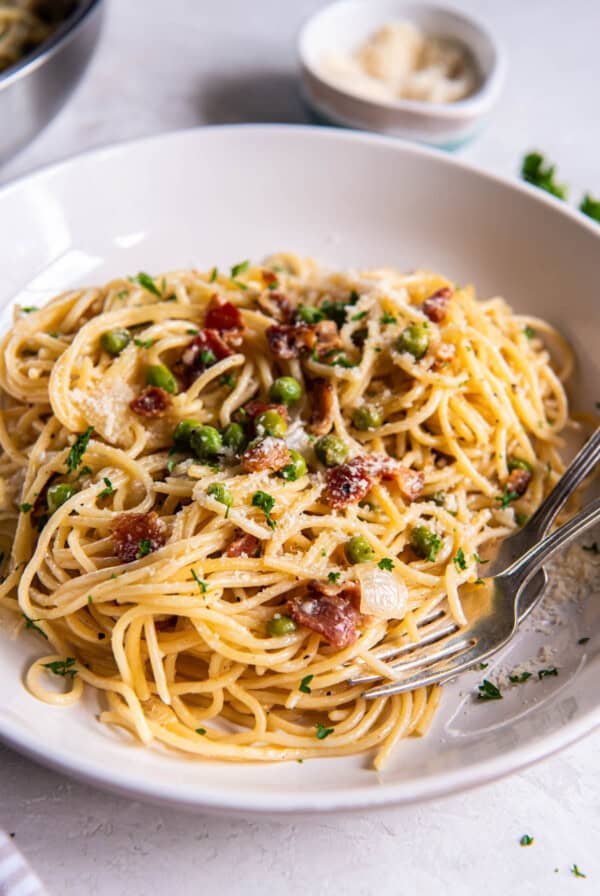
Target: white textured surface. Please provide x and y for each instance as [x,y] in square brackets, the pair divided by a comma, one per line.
[234,61]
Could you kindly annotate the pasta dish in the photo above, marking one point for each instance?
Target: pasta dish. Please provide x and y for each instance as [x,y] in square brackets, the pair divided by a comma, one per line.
[25,24]
[224,495]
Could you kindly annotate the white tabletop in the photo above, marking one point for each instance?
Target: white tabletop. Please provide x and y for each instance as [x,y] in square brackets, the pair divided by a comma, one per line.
[164,65]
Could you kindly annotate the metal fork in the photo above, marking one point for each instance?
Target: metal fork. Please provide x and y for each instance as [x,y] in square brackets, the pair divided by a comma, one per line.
[492,609]
[438,624]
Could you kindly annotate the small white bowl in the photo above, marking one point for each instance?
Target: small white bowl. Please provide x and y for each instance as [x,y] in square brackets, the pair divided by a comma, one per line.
[346,24]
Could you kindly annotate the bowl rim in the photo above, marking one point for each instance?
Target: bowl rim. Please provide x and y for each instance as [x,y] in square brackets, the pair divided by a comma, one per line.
[171,792]
[48,48]
[473,105]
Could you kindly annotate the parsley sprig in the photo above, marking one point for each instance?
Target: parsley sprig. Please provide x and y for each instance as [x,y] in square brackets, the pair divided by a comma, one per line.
[266,503]
[145,280]
[63,667]
[32,623]
[78,449]
[488,691]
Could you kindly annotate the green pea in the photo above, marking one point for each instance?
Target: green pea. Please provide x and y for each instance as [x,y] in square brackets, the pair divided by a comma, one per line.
[281,625]
[358,550]
[367,417]
[114,341]
[425,543]
[517,463]
[220,493]
[58,493]
[160,375]
[414,340]
[331,451]
[286,390]
[234,437]
[296,468]
[183,432]
[270,423]
[206,442]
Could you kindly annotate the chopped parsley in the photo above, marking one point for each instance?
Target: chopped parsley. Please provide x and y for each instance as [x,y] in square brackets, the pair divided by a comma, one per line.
[483,665]
[239,268]
[78,449]
[593,548]
[488,691]
[323,732]
[144,548]
[144,343]
[546,673]
[353,297]
[29,309]
[590,207]
[526,840]
[308,314]
[342,361]
[460,561]
[520,518]
[227,379]
[25,508]
[506,498]
[213,274]
[207,357]
[575,870]
[528,332]
[519,679]
[62,667]
[333,576]
[478,559]
[266,503]
[359,315]
[108,490]
[534,172]
[305,684]
[31,623]
[145,280]
[203,586]
[201,731]
[387,318]
[386,563]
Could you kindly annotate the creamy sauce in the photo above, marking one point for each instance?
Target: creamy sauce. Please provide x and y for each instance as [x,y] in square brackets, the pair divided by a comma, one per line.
[400,62]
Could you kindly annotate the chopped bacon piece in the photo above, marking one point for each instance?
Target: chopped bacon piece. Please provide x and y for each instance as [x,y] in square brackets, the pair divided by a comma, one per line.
[290,340]
[350,482]
[436,306]
[329,610]
[194,358]
[269,277]
[136,534]
[256,407]
[222,315]
[151,402]
[322,400]
[245,546]
[518,481]
[277,305]
[267,454]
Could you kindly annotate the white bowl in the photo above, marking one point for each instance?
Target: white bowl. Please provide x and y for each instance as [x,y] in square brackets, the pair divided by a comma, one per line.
[213,196]
[345,25]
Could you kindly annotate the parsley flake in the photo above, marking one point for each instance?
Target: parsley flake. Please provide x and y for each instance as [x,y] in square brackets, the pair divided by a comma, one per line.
[146,282]
[304,685]
[203,586]
[201,731]
[529,332]
[227,379]
[386,563]
[359,315]
[460,561]
[108,490]
[519,679]
[239,268]
[62,667]
[31,623]
[266,503]
[144,548]
[546,673]
[488,691]
[583,640]
[506,498]
[575,870]
[213,274]
[333,576]
[144,343]
[25,507]
[387,318]
[526,840]
[323,732]
[78,449]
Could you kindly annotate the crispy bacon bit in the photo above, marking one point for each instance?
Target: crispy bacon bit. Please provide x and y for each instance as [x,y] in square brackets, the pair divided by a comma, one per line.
[289,341]
[269,277]
[136,534]
[193,361]
[350,482]
[267,454]
[443,354]
[329,610]
[245,546]
[277,305]
[223,315]
[518,481]
[256,407]
[151,402]
[436,306]
[322,400]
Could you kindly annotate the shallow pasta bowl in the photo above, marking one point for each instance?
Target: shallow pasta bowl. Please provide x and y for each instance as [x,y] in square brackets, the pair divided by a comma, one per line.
[350,200]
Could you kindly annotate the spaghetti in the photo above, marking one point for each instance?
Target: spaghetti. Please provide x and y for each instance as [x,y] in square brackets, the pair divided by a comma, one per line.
[224,494]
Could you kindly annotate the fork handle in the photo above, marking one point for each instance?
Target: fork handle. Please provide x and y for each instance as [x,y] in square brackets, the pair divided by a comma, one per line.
[581,466]
[527,565]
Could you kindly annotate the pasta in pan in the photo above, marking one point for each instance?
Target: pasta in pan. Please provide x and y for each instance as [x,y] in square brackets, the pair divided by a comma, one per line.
[224,496]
